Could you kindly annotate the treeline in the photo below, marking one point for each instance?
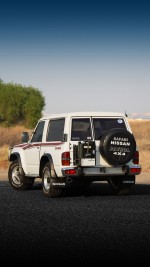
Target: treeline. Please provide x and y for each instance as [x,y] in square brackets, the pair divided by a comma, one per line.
[20,104]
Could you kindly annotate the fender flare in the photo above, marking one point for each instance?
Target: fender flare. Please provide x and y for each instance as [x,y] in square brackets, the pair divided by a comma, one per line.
[15,156]
[50,160]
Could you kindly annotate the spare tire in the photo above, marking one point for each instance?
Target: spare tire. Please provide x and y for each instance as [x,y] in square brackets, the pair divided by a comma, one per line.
[117,146]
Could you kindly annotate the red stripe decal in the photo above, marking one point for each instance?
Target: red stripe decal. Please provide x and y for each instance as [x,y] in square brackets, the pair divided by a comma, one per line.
[42,144]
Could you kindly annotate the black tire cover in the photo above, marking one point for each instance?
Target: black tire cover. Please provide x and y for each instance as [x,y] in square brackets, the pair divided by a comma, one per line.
[117,146]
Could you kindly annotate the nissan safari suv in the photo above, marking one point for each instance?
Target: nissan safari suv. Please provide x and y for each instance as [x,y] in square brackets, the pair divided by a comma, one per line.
[75,149]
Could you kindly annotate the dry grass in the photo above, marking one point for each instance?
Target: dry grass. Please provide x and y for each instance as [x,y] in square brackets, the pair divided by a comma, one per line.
[141,129]
[9,137]
[4,157]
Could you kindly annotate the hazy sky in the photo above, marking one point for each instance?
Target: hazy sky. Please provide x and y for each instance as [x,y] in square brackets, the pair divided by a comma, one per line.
[83,55]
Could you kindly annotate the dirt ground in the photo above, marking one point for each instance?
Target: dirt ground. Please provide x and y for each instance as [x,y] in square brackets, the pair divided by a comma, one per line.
[143,178]
[3,174]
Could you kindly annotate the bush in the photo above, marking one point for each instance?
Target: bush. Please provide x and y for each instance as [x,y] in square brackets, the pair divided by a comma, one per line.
[20,105]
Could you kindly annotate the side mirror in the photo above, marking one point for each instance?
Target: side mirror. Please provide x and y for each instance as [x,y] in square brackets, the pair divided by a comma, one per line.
[25,137]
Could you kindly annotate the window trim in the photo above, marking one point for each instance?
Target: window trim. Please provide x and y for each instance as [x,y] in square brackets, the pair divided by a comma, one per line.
[34,132]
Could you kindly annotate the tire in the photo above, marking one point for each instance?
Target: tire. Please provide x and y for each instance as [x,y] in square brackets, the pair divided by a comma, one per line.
[118,187]
[47,183]
[16,177]
[117,147]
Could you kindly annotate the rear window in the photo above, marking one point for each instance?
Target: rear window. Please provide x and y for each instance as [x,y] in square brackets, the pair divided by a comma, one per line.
[81,129]
[103,125]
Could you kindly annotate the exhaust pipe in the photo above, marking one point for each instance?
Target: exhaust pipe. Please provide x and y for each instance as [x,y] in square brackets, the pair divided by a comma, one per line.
[69,180]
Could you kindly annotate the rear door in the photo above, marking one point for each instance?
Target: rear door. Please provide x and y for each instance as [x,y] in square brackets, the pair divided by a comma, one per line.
[80,130]
[102,126]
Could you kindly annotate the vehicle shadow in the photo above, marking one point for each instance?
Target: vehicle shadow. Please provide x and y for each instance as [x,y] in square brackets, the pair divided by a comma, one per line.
[94,189]
[103,189]
[36,185]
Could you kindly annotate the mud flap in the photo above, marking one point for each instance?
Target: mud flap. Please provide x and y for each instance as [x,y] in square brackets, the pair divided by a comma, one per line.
[128,180]
[58,183]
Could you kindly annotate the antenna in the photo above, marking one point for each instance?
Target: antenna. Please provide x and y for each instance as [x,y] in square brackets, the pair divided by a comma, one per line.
[126,114]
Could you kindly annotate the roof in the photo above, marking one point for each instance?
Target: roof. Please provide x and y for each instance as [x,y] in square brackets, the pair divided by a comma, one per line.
[82,114]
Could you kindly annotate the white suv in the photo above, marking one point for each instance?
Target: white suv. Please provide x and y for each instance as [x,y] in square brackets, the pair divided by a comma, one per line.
[75,149]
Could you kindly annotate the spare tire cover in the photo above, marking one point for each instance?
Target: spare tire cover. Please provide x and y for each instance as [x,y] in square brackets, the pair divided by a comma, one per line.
[117,146]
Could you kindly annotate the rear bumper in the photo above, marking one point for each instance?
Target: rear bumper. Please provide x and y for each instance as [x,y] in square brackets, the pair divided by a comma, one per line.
[72,171]
[101,171]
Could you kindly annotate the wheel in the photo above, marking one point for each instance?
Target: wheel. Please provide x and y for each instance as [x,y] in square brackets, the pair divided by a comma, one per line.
[118,187]
[117,146]
[48,187]
[15,177]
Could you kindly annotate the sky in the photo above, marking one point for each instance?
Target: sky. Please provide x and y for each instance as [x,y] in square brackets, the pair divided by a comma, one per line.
[82,55]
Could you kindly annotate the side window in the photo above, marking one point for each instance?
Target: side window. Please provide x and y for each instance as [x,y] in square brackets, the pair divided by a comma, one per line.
[38,133]
[81,129]
[55,130]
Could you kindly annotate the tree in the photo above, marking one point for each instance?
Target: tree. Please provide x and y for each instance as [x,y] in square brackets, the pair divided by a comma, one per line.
[20,104]
[33,107]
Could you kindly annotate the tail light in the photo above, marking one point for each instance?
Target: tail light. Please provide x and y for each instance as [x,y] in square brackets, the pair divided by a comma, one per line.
[136,158]
[65,158]
[135,170]
[71,171]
